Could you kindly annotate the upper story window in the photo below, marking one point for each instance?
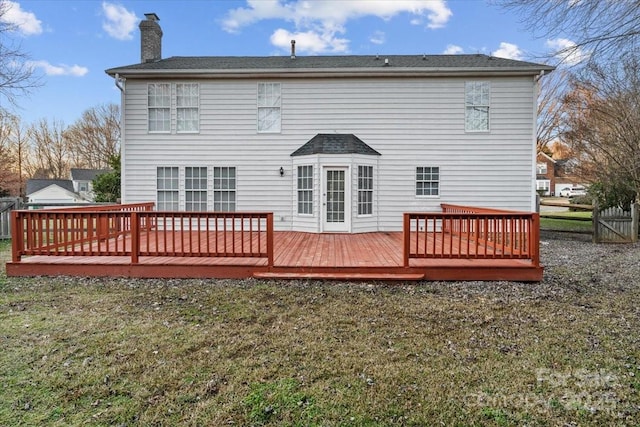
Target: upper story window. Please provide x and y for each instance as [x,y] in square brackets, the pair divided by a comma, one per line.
[477,95]
[365,190]
[427,181]
[541,169]
[269,101]
[159,104]
[305,190]
[187,107]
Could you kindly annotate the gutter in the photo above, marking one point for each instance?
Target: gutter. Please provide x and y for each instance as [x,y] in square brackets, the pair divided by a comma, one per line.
[319,73]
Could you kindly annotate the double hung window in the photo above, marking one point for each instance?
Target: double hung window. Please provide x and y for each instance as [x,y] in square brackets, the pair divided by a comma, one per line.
[477,99]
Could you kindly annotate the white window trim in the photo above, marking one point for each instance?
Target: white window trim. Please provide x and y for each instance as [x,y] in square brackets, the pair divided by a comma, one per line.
[415,182]
[179,108]
[488,129]
[163,132]
[258,106]
[312,190]
[178,190]
[373,186]
[214,190]
[205,190]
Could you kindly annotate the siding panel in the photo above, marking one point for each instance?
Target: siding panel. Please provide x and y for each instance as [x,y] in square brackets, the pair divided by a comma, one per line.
[411,122]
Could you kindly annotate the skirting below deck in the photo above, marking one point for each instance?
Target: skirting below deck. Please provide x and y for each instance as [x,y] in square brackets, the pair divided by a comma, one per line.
[364,257]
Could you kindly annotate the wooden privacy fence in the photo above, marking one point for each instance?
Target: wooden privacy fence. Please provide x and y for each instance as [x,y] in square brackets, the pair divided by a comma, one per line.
[472,233]
[135,230]
[7,204]
[615,225]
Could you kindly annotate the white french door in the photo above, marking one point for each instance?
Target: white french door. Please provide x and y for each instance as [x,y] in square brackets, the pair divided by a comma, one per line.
[336,205]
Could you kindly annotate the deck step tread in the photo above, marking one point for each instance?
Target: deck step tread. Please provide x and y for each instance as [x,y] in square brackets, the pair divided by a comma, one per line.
[340,276]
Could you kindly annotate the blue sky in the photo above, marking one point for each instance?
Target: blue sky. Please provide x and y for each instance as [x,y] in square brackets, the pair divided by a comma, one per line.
[71,43]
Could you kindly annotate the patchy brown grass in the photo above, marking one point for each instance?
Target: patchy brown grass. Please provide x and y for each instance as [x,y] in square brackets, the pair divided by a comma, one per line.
[210,352]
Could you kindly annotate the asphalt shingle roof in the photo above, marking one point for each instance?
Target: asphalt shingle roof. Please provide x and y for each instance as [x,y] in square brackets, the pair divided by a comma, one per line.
[369,62]
[35,185]
[335,143]
[78,174]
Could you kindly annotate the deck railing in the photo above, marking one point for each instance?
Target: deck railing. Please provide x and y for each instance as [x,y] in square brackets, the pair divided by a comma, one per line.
[135,230]
[471,233]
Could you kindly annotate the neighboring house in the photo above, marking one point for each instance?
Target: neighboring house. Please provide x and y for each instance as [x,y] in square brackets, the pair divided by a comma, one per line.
[552,175]
[52,192]
[83,181]
[546,175]
[565,176]
[327,143]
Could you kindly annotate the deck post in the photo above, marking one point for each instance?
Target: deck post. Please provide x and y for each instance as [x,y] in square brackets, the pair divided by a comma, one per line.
[406,238]
[535,239]
[135,237]
[17,238]
[270,239]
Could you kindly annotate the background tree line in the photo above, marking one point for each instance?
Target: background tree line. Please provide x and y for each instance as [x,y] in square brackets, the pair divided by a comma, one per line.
[48,149]
[590,105]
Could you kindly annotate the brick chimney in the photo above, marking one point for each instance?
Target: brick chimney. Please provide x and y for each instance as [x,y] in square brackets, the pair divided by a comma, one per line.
[150,39]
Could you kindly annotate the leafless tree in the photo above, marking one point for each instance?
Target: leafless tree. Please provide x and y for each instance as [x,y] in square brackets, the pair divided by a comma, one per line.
[95,137]
[50,152]
[604,28]
[17,76]
[602,117]
[550,109]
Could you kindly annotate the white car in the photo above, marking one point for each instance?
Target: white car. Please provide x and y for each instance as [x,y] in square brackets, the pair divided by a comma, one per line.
[573,191]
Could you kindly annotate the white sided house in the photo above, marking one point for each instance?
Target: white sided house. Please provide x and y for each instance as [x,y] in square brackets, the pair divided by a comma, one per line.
[327,143]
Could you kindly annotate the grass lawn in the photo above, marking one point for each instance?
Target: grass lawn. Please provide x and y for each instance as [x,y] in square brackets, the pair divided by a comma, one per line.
[106,352]
[567,221]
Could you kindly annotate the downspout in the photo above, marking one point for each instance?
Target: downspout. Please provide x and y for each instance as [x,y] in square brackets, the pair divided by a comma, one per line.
[535,207]
[119,82]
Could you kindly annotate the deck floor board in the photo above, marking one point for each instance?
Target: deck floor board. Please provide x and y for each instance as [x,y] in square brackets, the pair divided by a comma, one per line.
[297,254]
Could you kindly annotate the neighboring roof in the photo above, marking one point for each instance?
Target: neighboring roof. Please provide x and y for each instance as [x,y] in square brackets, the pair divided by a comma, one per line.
[346,64]
[546,156]
[78,174]
[335,143]
[35,185]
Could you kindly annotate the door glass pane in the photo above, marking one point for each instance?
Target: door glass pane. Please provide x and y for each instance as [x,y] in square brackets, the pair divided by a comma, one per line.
[335,196]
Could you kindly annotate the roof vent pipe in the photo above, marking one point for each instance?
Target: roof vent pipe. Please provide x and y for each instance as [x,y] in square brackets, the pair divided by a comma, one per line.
[293,49]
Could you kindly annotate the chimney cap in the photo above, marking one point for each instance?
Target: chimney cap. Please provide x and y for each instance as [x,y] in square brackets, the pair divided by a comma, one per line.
[151,17]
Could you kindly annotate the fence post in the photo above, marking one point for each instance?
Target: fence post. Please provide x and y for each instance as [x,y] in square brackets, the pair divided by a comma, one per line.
[17,241]
[595,221]
[634,222]
[406,234]
[135,237]
[535,239]
[270,239]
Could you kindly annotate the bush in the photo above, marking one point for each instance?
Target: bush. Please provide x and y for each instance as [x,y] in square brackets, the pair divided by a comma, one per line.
[612,194]
[580,200]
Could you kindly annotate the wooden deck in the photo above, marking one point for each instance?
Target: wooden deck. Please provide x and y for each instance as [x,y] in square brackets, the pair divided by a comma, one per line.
[366,256]
[459,243]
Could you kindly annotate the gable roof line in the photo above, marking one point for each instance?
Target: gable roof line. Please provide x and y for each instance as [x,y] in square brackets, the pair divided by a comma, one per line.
[346,65]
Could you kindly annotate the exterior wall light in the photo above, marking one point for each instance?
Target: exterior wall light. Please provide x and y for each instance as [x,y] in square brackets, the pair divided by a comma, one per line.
[281,171]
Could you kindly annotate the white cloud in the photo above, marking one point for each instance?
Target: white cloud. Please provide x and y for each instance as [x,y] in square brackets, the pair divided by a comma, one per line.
[119,23]
[567,51]
[60,70]
[452,49]
[24,22]
[509,51]
[311,41]
[326,18]
[378,37]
